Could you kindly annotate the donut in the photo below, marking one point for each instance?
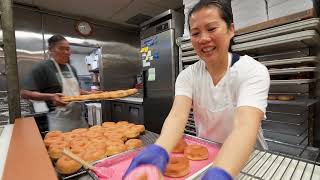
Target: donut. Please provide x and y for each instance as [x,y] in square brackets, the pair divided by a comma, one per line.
[271,97]
[55,150]
[65,165]
[115,149]
[132,133]
[80,130]
[79,144]
[144,172]
[122,123]
[69,136]
[115,136]
[177,167]
[180,146]
[286,98]
[100,139]
[133,143]
[196,152]
[107,124]
[93,134]
[93,154]
[114,142]
[53,134]
[51,140]
[139,128]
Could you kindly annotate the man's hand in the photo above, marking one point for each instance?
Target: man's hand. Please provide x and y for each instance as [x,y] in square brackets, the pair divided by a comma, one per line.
[56,100]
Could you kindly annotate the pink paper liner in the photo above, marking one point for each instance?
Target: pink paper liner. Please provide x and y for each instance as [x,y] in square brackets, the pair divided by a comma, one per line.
[120,164]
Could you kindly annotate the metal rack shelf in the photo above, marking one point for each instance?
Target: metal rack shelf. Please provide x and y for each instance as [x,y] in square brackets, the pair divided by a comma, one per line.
[278,43]
[297,102]
[269,165]
[309,59]
[190,59]
[308,24]
[292,81]
[292,70]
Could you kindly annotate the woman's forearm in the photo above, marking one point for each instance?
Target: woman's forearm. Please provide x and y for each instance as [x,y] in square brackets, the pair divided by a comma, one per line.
[238,146]
[175,123]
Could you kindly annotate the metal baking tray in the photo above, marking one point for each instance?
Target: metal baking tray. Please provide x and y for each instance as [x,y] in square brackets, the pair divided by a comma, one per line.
[295,140]
[287,118]
[298,89]
[285,129]
[188,53]
[313,23]
[292,81]
[292,70]
[309,59]
[297,102]
[190,59]
[279,43]
[186,46]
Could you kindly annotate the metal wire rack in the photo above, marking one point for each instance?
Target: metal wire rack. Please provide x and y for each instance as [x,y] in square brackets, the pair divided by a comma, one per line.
[277,166]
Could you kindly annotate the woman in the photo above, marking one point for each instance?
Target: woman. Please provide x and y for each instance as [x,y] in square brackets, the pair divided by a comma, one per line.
[51,79]
[228,94]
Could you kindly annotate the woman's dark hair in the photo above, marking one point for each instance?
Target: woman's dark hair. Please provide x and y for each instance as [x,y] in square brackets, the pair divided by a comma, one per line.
[53,40]
[224,7]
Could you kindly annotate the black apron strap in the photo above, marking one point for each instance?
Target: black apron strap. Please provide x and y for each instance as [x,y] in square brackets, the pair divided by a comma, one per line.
[235,58]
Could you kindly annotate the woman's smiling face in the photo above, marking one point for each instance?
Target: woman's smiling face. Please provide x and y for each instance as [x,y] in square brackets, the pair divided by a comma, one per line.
[210,35]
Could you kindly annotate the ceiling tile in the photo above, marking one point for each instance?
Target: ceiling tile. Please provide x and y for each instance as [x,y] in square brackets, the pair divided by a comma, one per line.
[138,7]
[95,9]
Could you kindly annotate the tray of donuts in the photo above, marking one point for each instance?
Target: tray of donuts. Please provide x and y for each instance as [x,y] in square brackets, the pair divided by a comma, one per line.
[91,144]
[101,96]
[190,157]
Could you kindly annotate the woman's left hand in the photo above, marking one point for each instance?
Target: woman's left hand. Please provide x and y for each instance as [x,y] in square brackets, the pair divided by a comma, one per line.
[215,173]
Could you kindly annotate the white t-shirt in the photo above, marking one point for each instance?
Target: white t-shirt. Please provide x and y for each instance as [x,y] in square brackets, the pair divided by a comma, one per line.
[248,82]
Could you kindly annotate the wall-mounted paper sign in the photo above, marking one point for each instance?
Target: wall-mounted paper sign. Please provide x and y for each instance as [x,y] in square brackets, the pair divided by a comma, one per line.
[145,64]
[151,74]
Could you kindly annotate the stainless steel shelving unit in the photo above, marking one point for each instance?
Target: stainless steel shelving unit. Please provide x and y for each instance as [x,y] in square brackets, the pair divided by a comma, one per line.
[289,127]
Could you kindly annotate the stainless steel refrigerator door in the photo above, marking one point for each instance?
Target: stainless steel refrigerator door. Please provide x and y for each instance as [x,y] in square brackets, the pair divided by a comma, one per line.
[165,60]
[158,97]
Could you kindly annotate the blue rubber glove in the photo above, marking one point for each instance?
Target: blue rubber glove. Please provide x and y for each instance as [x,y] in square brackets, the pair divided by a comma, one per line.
[215,173]
[152,154]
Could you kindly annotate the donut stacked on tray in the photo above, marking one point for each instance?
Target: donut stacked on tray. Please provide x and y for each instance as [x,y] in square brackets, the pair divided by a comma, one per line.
[101,96]
[179,165]
[92,144]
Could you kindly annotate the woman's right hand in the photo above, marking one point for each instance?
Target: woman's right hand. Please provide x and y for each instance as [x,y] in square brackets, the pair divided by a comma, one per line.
[153,155]
[57,101]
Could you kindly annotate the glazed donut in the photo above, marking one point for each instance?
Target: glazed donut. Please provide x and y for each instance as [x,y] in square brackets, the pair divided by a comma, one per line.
[55,150]
[53,134]
[271,97]
[177,167]
[122,123]
[133,143]
[79,144]
[144,172]
[108,124]
[112,136]
[286,98]
[79,130]
[114,142]
[115,149]
[196,152]
[93,134]
[140,128]
[65,165]
[93,154]
[132,133]
[69,136]
[51,140]
[180,146]
[95,127]
[97,145]
[100,139]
